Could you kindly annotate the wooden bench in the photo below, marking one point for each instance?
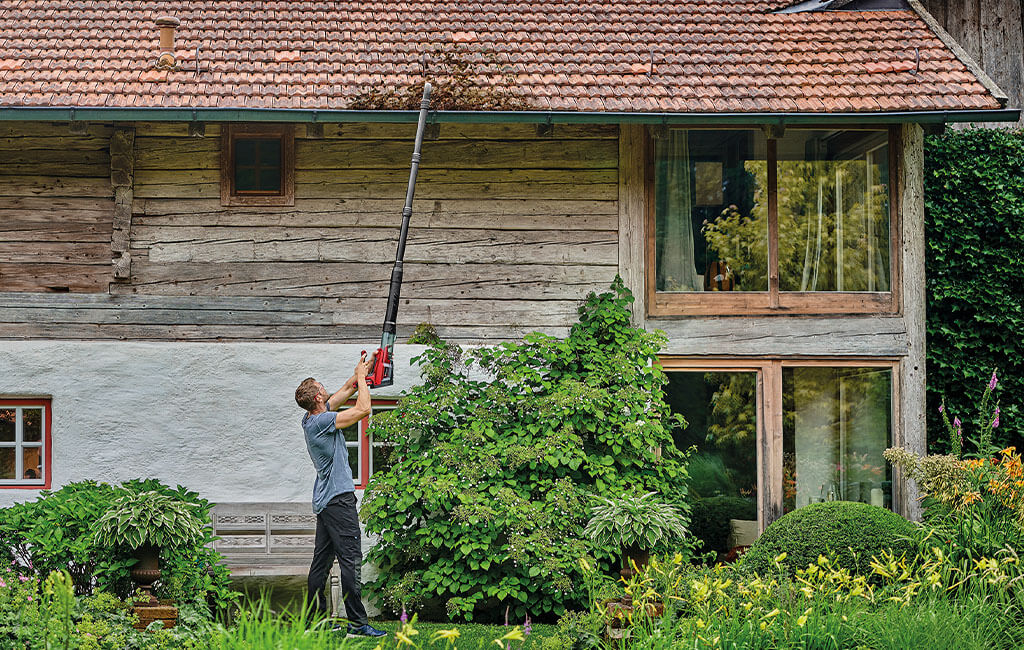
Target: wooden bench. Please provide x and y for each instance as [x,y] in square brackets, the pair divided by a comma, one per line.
[269,539]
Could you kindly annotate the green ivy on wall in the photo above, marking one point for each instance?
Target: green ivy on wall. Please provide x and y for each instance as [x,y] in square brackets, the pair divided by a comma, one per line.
[974,229]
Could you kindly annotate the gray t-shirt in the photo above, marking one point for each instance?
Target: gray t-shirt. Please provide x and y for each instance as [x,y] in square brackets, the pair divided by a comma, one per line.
[326,446]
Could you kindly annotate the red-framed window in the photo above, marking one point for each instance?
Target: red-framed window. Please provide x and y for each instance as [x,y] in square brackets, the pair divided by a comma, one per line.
[366,456]
[25,443]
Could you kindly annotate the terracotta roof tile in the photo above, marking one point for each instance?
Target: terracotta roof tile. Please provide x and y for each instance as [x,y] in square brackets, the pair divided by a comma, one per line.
[708,55]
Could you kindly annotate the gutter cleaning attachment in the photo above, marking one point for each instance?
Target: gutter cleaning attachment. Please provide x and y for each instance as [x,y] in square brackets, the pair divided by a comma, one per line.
[383,366]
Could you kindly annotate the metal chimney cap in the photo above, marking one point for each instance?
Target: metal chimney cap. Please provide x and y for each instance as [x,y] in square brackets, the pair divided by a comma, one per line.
[167,21]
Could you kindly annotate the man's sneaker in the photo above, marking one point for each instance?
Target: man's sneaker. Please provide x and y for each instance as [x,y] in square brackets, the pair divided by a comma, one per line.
[364,630]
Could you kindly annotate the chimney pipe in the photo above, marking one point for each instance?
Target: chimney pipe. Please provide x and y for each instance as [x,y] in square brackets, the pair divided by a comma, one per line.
[167,25]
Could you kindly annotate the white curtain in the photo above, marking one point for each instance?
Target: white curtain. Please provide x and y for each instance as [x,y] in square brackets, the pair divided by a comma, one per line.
[676,267]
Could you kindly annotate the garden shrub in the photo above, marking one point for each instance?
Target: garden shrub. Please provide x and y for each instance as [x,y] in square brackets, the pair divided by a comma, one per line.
[974,233]
[56,532]
[850,532]
[709,520]
[498,452]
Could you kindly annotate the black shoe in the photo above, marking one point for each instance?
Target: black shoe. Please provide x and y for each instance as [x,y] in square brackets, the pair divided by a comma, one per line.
[364,630]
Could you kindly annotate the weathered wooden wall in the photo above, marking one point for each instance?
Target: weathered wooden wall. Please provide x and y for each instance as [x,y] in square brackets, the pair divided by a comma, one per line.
[510,231]
[56,208]
[991,32]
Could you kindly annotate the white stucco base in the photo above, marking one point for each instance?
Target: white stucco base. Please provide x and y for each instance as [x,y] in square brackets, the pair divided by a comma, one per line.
[219,418]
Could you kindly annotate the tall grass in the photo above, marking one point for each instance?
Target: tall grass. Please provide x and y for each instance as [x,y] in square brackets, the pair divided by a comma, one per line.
[259,627]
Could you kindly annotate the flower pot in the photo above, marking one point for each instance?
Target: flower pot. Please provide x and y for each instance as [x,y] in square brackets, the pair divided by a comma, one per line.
[147,570]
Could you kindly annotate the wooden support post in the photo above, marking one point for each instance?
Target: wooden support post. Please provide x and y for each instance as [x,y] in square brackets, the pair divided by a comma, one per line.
[122,178]
[632,163]
[911,432]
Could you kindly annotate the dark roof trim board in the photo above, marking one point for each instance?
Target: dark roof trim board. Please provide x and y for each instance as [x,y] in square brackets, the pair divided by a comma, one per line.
[844,5]
[85,114]
[959,52]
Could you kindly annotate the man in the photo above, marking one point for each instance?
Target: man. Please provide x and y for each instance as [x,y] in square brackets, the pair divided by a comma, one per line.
[334,497]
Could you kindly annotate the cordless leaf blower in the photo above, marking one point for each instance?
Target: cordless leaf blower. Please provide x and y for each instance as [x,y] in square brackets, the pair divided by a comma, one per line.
[383,373]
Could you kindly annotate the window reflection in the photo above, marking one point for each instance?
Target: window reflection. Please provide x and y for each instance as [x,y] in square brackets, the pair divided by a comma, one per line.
[833,193]
[711,214]
[836,424]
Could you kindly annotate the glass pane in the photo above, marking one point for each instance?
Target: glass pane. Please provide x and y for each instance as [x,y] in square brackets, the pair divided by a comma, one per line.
[8,422]
[382,457]
[32,462]
[711,211]
[836,424]
[721,411]
[270,153]
[270,179]
[32,425]
[245,179]
[833,189]
[7,466]
[353,462]
[351,432]
[246,150]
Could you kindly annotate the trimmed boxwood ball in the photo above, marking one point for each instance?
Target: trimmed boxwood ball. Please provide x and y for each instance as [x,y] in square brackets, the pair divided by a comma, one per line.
[851,532]
[709,520]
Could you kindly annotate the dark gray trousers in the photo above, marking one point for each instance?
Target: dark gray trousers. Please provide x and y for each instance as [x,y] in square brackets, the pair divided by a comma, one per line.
[337,536]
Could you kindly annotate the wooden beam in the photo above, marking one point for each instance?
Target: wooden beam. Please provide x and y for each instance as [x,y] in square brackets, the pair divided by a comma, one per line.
[122,178]
[632,215]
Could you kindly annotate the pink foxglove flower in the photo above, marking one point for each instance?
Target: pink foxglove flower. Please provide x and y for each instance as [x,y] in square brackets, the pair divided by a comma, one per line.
[992,383]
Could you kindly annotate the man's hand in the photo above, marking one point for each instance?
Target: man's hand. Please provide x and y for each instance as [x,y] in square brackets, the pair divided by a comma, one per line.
[364,366]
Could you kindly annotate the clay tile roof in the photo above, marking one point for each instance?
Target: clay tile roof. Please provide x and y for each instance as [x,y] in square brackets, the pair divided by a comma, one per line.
[708,55]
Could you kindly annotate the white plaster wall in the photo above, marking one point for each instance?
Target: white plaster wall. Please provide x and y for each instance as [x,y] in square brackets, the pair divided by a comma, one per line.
[219,418]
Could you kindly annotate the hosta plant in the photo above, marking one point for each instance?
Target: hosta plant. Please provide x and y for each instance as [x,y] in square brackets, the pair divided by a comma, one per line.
[631,521]
[135,519]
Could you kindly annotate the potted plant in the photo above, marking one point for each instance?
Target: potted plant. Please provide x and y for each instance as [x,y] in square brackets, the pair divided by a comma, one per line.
[145,523]
[637,524]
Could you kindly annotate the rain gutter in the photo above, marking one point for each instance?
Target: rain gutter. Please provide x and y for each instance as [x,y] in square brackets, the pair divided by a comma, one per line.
[100,114]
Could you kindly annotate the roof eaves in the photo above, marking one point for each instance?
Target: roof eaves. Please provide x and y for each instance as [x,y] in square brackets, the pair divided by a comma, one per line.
[959,52]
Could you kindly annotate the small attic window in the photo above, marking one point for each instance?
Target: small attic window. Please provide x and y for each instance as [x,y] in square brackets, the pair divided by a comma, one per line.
[258,165]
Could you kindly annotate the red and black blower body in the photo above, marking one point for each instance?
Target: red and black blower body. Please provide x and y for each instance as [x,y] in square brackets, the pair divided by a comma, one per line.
[383,372]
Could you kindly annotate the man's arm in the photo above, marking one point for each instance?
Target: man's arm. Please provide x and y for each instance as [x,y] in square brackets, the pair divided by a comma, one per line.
[354,414]
[347,389]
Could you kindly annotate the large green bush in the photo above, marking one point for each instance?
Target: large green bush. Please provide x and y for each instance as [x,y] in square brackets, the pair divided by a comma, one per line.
[498,454]
[974,228]
[57,532]
[849,532]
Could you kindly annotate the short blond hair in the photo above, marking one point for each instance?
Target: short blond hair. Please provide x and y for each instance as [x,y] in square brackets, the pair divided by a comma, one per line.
[305,394]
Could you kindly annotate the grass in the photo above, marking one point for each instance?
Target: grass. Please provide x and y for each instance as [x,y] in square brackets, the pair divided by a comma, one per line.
[471,635]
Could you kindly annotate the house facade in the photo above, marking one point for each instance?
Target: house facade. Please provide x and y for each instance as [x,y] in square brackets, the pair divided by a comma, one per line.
[183,240]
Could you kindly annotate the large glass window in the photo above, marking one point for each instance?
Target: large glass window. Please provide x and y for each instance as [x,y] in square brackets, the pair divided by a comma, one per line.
[366,456]
[24,436]
[800,222]
[836,424]
[711,211]
[721,413]
[833,189]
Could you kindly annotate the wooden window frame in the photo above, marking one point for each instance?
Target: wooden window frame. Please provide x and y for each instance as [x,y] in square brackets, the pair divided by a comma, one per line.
[44,482]
[773,301]
[365,443]
[770,498]
[230,134]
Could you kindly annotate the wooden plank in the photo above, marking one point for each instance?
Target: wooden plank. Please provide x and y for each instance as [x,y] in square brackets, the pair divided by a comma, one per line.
[768,336]
[48,277]
[81,170]
[357,334]
[432,184]
[964,20]
[144,302]
[440,311]
[155,316]
[496,281]
[455,154]
[59,186]
[55,253]
[45,209]
[176,153]
[99,133]
[29,155]
[1003,47]
[406,132]
[22,231]
[632,205]
[517,214]
[427,245]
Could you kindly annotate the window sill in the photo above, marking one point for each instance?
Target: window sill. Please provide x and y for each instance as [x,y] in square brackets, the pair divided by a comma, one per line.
[742,303]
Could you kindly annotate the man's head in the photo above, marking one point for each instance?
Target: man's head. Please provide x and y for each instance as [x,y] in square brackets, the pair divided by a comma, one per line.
[308,391]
